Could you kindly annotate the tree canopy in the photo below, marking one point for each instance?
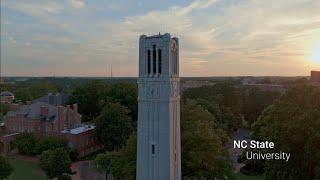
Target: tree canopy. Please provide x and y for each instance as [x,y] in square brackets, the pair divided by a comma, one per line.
[126,94]
[50,143]
[3,110]
[94,95]
[255,101]
[223,100]
[27,91]
[55,162]
[113,126]
[293,124]
[90,99]
[25,143]
[203,152]
[121,164]
[5,167]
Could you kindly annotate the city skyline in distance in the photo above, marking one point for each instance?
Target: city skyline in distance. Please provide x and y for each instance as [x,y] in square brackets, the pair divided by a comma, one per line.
[218,38]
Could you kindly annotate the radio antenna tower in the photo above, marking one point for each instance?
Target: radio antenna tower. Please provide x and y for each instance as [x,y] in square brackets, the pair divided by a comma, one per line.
[111,72]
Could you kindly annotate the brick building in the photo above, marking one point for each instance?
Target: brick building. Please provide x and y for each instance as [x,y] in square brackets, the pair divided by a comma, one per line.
[44,119]
[83,139]
[315,76]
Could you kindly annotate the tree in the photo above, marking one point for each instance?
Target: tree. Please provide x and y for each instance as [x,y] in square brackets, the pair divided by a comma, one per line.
[50,143]
[3,110]
[255,101]
[55,162]
[5,167]
[113,126]
[223,100]
[25,143]
[90,99]
[120,164]
[126,94]
[32,90]
[293,124]
[203,153]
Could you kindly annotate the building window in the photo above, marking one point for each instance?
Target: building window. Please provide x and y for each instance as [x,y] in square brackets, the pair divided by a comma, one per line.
[152,149]
[159,61]
[149,62]
[154,59]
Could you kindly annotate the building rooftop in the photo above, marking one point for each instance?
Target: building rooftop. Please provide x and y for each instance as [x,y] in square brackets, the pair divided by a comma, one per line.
[12,134]
[33,111]
[6,93]
[79,130]
[54,99]
[156,36]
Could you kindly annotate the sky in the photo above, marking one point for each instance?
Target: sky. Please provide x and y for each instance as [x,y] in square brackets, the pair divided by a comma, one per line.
[217,37]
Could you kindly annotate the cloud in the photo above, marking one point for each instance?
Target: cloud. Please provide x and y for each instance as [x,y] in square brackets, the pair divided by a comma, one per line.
[216,37]
[43,8]
[77,3]
[195,5]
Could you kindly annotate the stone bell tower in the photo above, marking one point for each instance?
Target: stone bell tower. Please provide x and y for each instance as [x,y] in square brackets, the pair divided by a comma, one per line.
[158,145]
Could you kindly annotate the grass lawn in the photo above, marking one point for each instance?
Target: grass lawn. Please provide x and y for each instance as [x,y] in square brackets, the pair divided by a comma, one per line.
[26,170]
[241,176]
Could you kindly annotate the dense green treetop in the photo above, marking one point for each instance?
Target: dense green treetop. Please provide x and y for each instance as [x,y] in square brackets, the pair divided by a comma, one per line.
[293,124]
[94,95]
[113,126]
[30,91]
[25,143]
[121,164]
[50,143]
[89,98]
[5,167]
[55,162]
[203,153]
[126,94]
[255,101]
[3,110]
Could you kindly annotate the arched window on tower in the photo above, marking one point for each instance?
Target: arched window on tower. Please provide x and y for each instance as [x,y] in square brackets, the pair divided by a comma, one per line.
[149,62]
[154,59]
[159,61]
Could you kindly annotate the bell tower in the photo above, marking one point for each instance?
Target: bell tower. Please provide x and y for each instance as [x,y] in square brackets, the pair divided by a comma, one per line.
[158,145]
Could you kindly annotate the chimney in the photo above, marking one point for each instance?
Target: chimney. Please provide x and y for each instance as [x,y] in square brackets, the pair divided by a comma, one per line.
[44,110]
[75,108]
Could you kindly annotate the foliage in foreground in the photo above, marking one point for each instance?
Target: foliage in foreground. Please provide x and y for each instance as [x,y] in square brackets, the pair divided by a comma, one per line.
[121,164]
[203,154]
[5,167]
[56,162]
[94,95]
[25,143]
[50,143]
[113,126]
[293,124]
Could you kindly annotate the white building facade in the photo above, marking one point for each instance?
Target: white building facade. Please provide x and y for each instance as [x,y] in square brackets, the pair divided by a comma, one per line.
[158,145]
